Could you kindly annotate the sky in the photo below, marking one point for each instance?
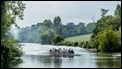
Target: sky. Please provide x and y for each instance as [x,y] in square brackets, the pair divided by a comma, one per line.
[69,11]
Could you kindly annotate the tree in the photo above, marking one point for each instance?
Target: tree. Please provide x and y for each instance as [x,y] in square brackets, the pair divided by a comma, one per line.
[90,27]
[105,36]
[48,23]
[47,36]
[117,11]
[71,29]
[101,23]
[58,25]
[10,10]
[57,21]
[104,12]
[81,28]
[64,32]
[117,14]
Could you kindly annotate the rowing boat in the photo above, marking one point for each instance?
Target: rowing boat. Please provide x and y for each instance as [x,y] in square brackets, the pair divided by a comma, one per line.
[65,54]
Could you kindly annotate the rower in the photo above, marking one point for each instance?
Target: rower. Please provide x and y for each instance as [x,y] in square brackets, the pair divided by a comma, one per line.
[50,51]
[53,51]
[69,51]
[72,51]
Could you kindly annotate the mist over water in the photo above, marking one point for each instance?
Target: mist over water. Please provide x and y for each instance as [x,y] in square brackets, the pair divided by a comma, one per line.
[38,49]
[14,31]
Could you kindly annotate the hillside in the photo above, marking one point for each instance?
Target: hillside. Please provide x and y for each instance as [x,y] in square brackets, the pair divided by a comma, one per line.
[79,38]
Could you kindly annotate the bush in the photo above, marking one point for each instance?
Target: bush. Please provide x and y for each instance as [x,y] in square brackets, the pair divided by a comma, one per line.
[81,44]
[86,44]
[68,43]
[76,44]
[10,50]
[109,41]
[57,40]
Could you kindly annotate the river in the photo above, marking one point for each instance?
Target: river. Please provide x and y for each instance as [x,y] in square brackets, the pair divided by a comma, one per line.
[36,56]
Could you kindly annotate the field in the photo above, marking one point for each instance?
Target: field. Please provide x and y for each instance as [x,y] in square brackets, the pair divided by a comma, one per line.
[79,38]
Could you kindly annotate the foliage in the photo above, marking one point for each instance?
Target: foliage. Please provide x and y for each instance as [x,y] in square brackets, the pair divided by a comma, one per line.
[90,27]
[57,39]
[48,23]
[10,49]
[86,44]
[106,36]
[118,12]
[47,36]
[58,25]
[68,43]
[9,11]
[109,40]
[32,34]
[28,34]
[81,44]
[76,44]
[81,28]
[104,12]
[70,29]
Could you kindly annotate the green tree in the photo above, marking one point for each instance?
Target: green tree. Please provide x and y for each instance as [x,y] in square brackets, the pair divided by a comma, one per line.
[48,23]
[90,27]
[58,25]
[64,32]
[47,36]
[10,10]
[106,35]
[81,28]
[104,12]
[118,12]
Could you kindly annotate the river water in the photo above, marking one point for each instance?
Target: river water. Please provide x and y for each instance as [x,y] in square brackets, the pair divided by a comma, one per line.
[36,56]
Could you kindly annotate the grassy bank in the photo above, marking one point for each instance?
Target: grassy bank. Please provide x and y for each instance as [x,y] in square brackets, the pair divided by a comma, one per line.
[79,38]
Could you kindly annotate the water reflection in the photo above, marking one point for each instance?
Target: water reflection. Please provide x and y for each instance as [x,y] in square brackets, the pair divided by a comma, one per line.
[44,61]
[98,60]
[107,60]
[11,64]
[57,61]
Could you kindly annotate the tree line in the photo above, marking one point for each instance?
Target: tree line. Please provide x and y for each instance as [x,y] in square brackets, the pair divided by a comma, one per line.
[47,31]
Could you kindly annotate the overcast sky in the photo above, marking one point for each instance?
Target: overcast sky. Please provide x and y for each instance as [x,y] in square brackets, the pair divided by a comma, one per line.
[69,11]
